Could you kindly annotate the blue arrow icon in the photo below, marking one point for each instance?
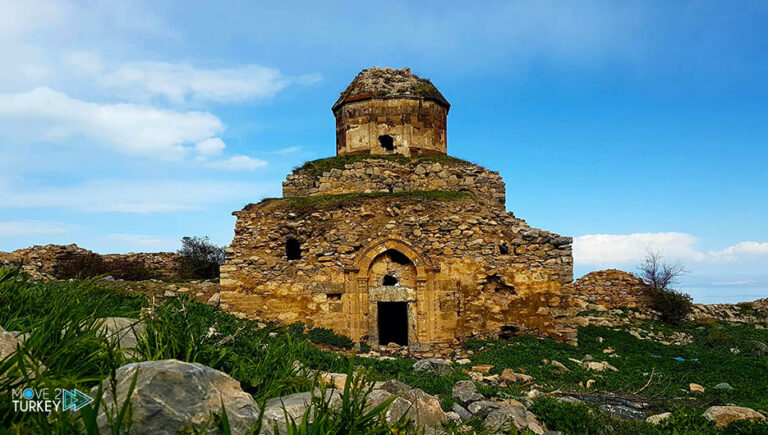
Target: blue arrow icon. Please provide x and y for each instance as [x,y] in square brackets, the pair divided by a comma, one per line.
[74,399]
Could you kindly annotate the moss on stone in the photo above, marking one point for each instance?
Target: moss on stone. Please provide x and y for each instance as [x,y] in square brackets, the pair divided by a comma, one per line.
[317,167]
[350,199]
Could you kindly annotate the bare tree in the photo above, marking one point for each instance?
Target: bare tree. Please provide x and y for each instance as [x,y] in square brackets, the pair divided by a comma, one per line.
[659,273]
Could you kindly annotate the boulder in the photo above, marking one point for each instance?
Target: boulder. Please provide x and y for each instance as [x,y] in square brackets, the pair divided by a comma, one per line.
[295,405]
[173,395]
[336,380]
[696,388]
[461,411]
[622,412]
[423,409]
[125,329]
[509,375]
[482,408]
[559,367]
[482,368]
[724,415]
[506,418]
[598,366]
[658,418]
[465,392]
[214,300]
[433,365]
[394,386]
[8,343]
[723,386]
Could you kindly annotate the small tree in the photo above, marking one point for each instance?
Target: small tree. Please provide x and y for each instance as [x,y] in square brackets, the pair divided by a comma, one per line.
[672,305]
[199,258]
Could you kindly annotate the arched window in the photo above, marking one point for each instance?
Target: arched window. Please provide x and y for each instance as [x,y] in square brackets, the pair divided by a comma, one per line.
[292,249]
[387,142]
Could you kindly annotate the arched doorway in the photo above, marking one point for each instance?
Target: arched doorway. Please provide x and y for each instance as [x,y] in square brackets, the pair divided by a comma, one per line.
[389,277]
[391,294]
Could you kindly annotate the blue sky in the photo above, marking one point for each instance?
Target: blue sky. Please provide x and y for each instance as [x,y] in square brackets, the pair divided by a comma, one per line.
[627,125]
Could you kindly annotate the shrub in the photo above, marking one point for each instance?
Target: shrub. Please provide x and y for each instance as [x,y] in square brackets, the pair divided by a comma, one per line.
[672,305]
[199,258]
[719,339]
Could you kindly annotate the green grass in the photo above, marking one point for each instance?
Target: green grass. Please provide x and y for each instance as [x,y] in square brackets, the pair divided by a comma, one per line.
[61,318]
[326,202]
[318,167]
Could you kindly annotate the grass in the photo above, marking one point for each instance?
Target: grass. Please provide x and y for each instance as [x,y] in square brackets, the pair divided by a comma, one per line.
[326,202]
[65,338]
[318,167]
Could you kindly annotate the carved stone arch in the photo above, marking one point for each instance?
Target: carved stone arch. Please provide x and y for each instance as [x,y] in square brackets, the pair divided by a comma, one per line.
[378,246]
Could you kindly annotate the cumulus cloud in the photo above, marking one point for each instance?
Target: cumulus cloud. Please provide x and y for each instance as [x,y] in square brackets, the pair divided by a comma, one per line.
[180,82]
[237,163]
[623,249]
[32,227]
[210,147]
[126,128]
[125,196]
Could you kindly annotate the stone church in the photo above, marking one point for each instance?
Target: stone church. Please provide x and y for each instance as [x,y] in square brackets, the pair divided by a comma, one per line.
[392,240]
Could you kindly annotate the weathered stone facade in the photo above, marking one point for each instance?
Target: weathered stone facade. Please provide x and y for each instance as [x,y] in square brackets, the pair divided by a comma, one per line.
[413,250]
[388,111]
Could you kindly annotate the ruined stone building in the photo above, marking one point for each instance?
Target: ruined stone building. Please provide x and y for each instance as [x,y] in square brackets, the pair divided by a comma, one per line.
[392,240]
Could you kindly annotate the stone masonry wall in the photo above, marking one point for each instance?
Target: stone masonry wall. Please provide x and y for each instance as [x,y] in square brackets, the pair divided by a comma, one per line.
[417,127]
[493,273]
[381,175]
[47,261]
[612,289]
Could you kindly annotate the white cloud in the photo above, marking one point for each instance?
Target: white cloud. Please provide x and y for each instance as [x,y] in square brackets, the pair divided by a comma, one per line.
[125,196]
[212,146]
[142,242]
[741,250]
[180,82]
[237,163]
[623,249]
[126,128]
[31,227]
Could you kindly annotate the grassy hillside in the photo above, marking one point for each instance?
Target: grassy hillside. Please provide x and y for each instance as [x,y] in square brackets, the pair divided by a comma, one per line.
[60,319]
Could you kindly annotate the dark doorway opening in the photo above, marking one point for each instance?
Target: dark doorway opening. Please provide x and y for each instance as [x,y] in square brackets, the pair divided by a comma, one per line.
[387,142]
[393,323]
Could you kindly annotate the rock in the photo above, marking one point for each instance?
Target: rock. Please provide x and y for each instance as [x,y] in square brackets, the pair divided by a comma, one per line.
[423,409]
[475,376]
[463,361]
[461,411]
[8,343]
[696,388]
[169,294]
[724,415]
[656,419]
[723,386]
[622,412]
[482,408]
[559,367]
[394,386]
[454,417]
[214,300]
[506,418]
[599,366]
[171,396]
[295,405]
[759,348]
[465,392]
[590,382]
[434,365]
[126,329]
[509,375]
[336,380]
[482,368]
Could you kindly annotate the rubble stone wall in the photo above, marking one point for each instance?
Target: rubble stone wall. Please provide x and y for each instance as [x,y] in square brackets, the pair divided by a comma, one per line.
[381,175]
[612,289]
[479,270]
[416,126]
[48,261]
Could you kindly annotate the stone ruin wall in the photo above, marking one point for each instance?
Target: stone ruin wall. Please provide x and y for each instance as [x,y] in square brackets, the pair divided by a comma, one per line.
[612,289]
[417,126]
[381,175]
[48,261]
[494,273]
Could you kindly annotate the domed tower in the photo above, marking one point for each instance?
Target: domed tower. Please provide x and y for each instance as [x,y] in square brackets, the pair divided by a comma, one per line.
[390,111]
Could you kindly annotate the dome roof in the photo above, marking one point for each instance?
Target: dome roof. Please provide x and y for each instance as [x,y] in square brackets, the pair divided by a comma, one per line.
[389,83]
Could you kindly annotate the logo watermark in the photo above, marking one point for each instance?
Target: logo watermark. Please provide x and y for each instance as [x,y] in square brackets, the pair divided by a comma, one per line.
[48,400]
